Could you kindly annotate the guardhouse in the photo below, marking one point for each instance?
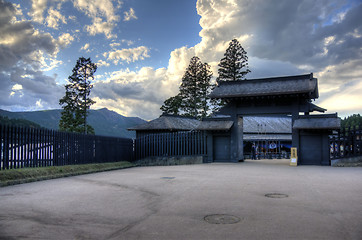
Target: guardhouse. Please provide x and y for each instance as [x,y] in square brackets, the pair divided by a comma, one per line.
[278,96]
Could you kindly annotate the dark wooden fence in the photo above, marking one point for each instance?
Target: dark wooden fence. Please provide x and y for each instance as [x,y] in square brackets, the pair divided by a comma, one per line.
[347,143]
[28,147]
[171,144]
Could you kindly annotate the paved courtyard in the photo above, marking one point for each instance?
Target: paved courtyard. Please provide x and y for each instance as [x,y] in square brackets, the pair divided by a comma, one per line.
[187,202]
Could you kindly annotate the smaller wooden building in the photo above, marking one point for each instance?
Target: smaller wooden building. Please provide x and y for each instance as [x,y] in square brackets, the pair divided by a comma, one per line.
[166,123]
[314,131]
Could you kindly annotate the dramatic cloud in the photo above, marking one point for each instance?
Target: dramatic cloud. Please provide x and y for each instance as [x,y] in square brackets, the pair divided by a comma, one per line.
[133,93]
[340,87]
[301,33]
[282,38]
[25,89]
[128,55]
[24,54]
[19,40]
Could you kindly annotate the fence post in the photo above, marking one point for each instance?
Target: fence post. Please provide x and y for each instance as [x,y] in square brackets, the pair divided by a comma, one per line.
[27,147]
[1,147]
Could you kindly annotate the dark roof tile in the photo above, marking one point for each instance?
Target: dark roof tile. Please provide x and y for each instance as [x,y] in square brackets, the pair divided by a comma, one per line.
[317,122]
[168,122]
[290,85]
[215,125]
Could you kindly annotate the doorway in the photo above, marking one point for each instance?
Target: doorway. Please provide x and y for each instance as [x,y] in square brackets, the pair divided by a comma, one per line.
[221,148]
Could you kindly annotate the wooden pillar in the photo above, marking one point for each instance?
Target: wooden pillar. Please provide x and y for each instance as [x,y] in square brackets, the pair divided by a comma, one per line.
[295,134]
[240,142]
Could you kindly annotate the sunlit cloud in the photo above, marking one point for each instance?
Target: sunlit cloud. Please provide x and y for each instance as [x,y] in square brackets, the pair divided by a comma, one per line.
[128,54]
[37,10]
[85,47]
[103,15]
[128,16]
[54,18]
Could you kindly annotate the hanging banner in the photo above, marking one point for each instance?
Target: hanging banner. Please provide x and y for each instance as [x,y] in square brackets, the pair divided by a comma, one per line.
[293,156]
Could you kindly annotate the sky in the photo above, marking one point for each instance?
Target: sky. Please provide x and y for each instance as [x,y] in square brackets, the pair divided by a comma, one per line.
[142,48]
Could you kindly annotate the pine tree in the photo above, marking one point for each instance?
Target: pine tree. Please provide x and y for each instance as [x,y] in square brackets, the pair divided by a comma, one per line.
[234,65]
[193,99]
[76,101]
[189,89]
[172,105]
[205,88]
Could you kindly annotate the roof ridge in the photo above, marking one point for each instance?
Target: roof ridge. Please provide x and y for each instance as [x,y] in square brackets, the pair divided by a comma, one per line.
[282,78]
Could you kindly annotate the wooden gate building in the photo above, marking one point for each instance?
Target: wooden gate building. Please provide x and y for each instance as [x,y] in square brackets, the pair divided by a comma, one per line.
[279,96]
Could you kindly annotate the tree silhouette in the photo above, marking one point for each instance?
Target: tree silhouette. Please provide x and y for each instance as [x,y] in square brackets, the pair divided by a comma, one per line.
[172,105]
[234,65]
[193,99]
[189,88]
[76,101]
[352,121]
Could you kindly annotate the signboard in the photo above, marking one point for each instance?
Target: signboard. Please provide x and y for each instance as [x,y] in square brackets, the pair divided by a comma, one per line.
[293,156]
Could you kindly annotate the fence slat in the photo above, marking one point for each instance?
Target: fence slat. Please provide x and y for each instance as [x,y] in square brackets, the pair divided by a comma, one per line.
[170,144]
[28,147]
[347,143]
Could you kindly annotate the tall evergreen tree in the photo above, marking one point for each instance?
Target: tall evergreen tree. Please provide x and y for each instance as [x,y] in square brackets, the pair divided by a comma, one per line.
[193,99]
[234,65]
[189,88]
[172,105]
[76,101]
[205,88]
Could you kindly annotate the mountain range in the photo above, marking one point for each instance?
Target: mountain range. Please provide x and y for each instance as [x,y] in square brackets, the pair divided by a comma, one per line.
[104,121]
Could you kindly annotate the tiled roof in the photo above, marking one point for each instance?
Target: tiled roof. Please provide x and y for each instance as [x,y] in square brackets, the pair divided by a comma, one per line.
[215,125]
[168,122]
[290,85]
[253,124]
[318,122]
[267,124]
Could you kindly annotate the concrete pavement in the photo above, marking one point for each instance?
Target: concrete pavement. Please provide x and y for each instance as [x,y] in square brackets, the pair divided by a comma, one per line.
[172,202]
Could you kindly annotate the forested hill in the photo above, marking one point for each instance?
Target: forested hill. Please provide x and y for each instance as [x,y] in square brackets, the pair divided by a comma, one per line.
[4,120]
[352,121]
[104,121]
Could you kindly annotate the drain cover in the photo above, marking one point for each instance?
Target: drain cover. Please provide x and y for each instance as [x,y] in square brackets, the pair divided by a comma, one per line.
[221,219]
[276,195]
[167,177]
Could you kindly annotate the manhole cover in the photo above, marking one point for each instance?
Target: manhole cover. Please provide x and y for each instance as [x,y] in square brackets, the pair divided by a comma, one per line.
[167,177]
[221,219]
[276,195]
